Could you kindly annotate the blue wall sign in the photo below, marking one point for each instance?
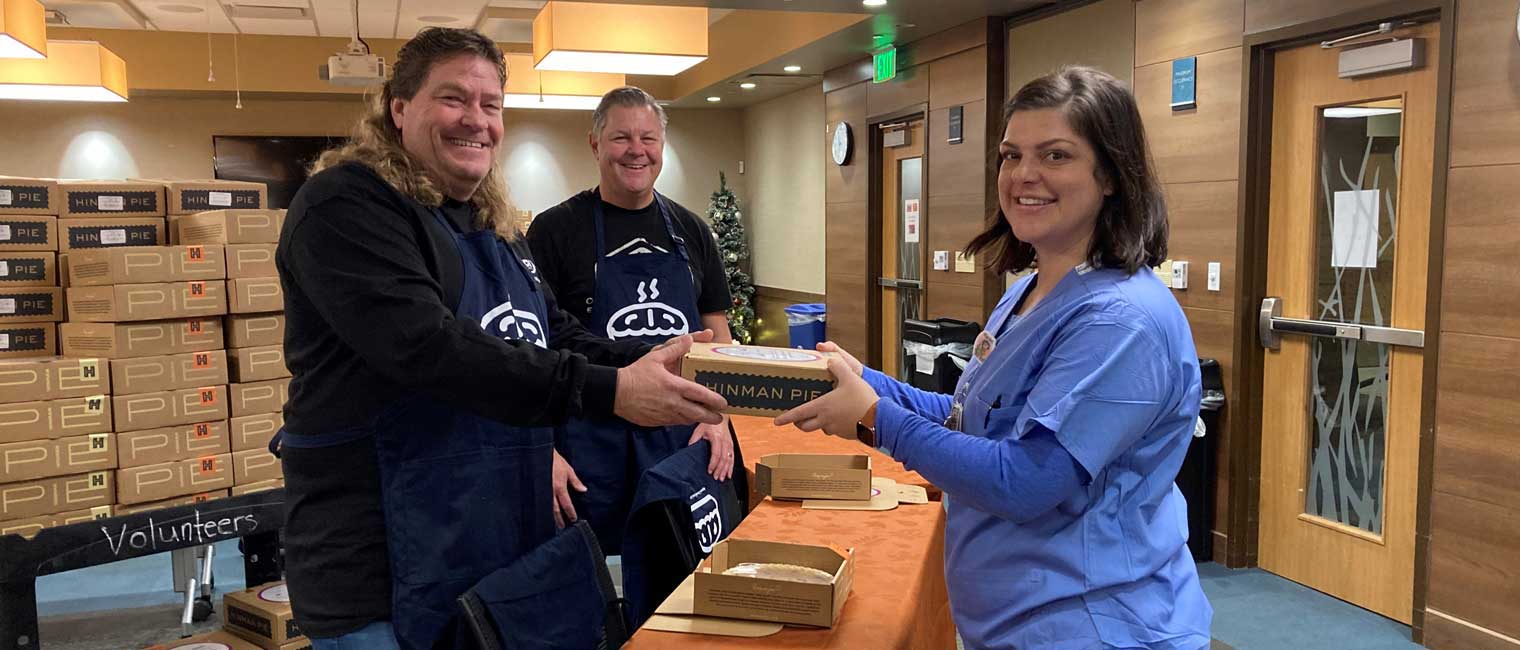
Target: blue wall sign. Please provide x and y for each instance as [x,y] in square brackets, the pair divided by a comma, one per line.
[1185,83]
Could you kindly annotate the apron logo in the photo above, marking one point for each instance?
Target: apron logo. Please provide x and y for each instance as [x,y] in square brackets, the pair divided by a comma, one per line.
[708,520]
[532,270]
[647,318]
[514,324]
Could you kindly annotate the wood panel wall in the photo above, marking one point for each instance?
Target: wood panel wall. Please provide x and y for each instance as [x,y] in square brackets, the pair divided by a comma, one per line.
[962,66]
[1474,551]
[1197,156]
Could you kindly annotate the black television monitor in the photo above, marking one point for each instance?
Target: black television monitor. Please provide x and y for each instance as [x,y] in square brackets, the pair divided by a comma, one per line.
[277,161]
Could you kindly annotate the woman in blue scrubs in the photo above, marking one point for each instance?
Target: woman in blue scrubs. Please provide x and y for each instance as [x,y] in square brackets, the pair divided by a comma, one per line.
[1059,450]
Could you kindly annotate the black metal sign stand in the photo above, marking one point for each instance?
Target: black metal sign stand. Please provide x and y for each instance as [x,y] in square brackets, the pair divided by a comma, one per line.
[255,518]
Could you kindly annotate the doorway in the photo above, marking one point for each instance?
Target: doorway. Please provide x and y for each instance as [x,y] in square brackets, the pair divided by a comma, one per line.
[901,221]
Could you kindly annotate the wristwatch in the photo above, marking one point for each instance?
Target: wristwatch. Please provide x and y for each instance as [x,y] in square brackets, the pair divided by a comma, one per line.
[865,432]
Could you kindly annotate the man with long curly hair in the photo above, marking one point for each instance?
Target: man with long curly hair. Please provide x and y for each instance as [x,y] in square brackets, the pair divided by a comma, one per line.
[430,363]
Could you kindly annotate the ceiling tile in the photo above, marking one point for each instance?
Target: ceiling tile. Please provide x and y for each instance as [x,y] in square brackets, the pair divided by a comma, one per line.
[297,27]
[211,16]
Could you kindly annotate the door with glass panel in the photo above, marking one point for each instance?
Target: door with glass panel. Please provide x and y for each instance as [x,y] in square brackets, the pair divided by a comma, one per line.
[901,283]
[1343,324]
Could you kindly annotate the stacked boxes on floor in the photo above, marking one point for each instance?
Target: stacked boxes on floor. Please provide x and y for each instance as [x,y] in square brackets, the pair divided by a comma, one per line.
[255,328]
[155,311]
[57,451]
[31,304]
[257,618]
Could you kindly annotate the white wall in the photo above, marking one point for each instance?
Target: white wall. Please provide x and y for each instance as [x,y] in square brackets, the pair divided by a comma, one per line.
[546,152]
[784,171]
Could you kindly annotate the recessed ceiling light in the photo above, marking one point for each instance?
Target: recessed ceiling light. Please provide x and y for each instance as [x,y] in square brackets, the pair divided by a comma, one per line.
[437,19]
[181,9]
[715,99]
[793,68]
[747,85]
[874,3]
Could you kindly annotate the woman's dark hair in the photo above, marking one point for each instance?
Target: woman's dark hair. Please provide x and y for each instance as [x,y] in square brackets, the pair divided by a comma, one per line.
[1131,230]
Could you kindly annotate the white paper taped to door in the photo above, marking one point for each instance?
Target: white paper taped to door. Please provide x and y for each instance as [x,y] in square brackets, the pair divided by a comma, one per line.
[1354,238]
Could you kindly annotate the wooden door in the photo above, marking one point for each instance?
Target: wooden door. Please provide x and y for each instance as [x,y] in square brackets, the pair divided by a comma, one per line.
[902,220]
[1343,321]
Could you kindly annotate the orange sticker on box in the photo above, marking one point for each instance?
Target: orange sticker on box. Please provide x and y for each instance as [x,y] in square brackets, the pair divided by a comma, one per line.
[202,497]
[202,360]
[205,465]
[208,395]
[203,430]
[194,327]
[197,288]
[195,253]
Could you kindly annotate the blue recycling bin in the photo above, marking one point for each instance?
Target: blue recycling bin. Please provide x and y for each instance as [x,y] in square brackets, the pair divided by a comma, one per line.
[805,324]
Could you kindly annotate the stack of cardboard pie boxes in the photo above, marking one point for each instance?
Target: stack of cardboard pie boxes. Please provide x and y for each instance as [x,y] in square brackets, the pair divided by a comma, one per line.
[147,407]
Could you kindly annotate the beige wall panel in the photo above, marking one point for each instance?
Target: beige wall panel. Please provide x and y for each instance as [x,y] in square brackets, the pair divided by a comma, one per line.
[1199,144]
[1101,35]
[1481,285]
[1202,218]
[1173,29]
[785,174]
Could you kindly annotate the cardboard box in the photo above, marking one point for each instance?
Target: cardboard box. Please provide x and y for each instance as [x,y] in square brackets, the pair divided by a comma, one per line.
[169,408]
[217,640]
[184,500]
[29,527]
[173,479]
[257,364]
[258,486]
[59,418]
[24,461]
[255,465]
[127,340]
[28,195]
[111,199]
[251,261]
[28,269]
[255,295]
[63,274]
[31,380]
[814,476]
[159,301]
[261,614]
[167,444]
[169,372]
[27,340]
[254,431]
[231,227]
[759,380]
[254,330]
[146,264]
[31,305]
[188,197]
[28,233]
[259,397]
[57,494]
[781,601]
[82,234]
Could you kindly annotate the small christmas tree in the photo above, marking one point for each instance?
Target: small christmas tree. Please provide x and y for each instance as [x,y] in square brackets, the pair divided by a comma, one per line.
[732,245]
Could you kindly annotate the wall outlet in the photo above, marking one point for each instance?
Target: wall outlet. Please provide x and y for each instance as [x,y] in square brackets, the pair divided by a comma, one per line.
[1213,276]
[1179,275]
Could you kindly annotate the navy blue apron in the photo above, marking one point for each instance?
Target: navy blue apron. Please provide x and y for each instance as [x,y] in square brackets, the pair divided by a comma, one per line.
[648,296]
[462,495]
[679,513]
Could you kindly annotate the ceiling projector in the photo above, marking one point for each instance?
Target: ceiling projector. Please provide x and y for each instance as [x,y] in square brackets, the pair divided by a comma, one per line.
[353,70]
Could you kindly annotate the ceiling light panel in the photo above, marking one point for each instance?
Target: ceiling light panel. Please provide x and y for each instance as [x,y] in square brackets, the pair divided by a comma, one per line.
[73,71]
[23,30]
[618,38]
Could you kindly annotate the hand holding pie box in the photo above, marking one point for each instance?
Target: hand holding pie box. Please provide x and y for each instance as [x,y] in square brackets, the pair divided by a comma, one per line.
[759,380]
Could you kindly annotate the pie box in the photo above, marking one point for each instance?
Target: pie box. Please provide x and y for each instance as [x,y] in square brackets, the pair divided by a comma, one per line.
[759,380]
[814,476]
[778,601]
[262,615]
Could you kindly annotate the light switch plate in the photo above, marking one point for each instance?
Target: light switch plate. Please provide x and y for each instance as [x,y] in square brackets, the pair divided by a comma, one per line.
[942,260]
[1164,271]
[1213,276]
[965,263]
[1179,274]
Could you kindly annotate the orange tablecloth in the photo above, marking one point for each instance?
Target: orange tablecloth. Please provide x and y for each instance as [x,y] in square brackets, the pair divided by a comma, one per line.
[758,437]
[899,599]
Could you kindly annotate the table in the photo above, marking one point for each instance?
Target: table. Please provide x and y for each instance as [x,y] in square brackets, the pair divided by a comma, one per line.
[899,599]
[758,437]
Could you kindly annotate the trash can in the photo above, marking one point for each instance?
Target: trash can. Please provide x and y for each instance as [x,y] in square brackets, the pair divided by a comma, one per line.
[935,352]
[805,325]
[1198,476]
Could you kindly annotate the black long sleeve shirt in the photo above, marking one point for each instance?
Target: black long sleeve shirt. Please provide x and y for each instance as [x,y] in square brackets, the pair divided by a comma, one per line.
[371,282]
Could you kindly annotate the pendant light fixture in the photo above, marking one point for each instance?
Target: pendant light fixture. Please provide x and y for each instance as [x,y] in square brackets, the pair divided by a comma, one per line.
[80,71]
[23,29]
[617,38]
[530,88]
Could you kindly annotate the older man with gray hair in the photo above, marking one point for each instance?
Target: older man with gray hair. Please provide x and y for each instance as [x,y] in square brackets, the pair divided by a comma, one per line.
[630,264]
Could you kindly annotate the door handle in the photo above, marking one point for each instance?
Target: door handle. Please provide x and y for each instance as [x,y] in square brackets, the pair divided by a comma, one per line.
[899,283]
[1271,325]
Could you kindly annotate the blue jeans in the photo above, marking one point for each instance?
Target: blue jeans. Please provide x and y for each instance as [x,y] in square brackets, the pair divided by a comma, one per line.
[375,636]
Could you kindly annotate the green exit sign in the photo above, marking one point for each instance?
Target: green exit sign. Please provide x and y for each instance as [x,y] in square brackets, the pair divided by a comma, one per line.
[886,65]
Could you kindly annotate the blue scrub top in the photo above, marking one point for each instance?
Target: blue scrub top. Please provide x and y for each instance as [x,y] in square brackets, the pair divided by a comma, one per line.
[1106,362]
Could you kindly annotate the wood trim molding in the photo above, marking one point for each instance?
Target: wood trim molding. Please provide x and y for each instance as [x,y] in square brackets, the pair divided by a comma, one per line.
[787,295]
